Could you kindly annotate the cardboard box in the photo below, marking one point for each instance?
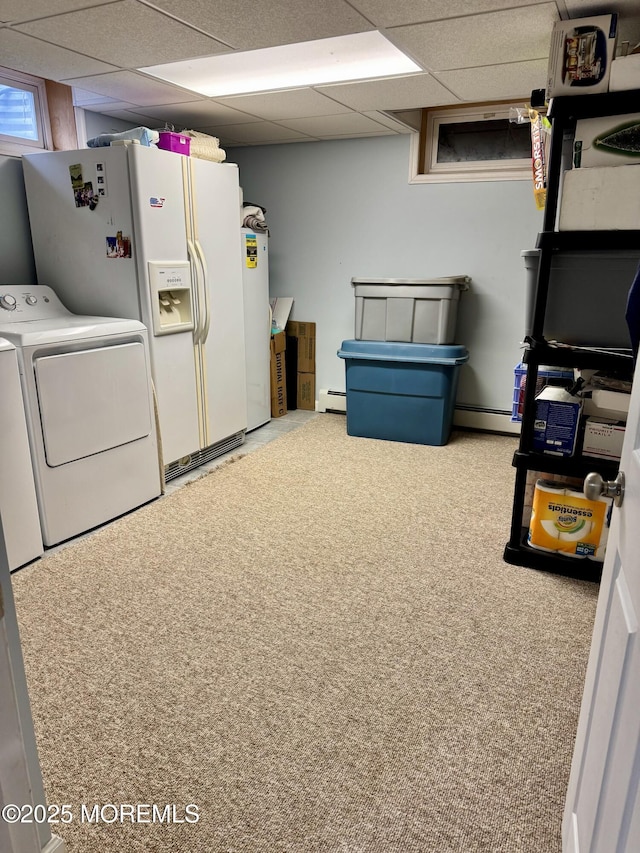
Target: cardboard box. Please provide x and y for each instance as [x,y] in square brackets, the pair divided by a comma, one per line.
[306,391]
[611,405]
[608,141]
[292,373]
[280,309]
[278,375]
[556,425]
[603,438]
[600,199]
[306,335]
[581,55]
[625,73]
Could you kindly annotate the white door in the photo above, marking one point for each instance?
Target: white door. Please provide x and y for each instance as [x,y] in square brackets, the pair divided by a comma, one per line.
[602,811]
[20,776]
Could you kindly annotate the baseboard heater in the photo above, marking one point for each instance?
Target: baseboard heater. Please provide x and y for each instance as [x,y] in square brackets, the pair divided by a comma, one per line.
[470,417]
[488,420]
[332,401]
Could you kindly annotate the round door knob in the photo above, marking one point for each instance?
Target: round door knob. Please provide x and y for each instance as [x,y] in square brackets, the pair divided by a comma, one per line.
[595,486]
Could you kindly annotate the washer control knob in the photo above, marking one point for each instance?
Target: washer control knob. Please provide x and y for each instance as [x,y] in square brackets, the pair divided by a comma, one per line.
[31,300]
[8,302]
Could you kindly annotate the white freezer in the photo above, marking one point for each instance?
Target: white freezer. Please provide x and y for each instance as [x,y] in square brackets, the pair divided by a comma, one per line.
[161,246]
[257,326]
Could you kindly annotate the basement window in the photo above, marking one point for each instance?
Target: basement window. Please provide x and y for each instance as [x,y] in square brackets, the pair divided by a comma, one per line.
[472,143]
[24,118]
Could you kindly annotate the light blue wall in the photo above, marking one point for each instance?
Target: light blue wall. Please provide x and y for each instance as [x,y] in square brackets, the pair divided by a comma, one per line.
[345,208]
[97,123]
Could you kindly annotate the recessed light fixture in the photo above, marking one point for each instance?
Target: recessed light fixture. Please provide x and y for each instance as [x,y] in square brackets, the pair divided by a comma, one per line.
[353,57]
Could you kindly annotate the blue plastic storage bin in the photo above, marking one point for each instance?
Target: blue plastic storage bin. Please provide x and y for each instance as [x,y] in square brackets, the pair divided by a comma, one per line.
[401,392]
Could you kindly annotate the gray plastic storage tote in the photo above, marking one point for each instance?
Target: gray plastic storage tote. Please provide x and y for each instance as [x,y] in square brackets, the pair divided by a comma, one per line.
[422,311]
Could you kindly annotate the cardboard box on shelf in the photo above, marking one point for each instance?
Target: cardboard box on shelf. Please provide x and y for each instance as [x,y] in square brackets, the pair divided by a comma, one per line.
[307,391]
[612,405]
[602,198]
[603,438]
[306,335]
[581,54]
[607,141]
[278,375]
[625,73]
[555,428]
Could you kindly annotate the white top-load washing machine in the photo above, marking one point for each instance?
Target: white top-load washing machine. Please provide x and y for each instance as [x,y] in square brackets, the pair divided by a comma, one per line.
[18,504]
[89,408]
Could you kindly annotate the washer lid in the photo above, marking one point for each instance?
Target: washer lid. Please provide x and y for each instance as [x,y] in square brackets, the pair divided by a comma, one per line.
[69,328]
[5,345]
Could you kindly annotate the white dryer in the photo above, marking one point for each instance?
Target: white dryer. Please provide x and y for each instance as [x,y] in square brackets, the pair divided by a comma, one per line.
[89,407]
[18,504]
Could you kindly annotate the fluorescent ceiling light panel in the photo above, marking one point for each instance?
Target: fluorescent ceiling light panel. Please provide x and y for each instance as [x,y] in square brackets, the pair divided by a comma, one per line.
[354,57]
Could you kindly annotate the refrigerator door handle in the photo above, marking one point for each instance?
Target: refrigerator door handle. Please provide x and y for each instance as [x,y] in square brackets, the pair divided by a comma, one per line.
[197,319]
[205,290]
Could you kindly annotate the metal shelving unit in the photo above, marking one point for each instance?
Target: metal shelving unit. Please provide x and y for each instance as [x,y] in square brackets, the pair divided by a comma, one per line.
[563,113]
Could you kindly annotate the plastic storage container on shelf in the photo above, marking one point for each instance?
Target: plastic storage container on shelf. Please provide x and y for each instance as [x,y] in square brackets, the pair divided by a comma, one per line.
[403,310]
[170,141]
[547,375]
[401,392]
[579,280]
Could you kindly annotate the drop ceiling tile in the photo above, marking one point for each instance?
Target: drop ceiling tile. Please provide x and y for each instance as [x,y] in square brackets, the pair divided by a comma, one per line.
[256,132]
[19,10]
[199,114]
[135,118]
[276,106]
[339,125]
[133,88]
[24,53]
[90,100]
[398,93]
[493,38]
[497,82]
[248,25]
[394,125]
[223,141]
[382,132]
[385,14]
[125,33]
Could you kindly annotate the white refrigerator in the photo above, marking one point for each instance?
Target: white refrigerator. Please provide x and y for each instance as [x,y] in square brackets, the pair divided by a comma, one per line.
[257,326]
[137,232]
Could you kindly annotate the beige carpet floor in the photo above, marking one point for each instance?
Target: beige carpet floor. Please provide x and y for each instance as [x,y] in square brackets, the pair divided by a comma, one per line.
[321,648]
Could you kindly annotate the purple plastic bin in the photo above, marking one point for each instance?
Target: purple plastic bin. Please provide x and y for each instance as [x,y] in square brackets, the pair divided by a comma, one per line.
[174,142]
